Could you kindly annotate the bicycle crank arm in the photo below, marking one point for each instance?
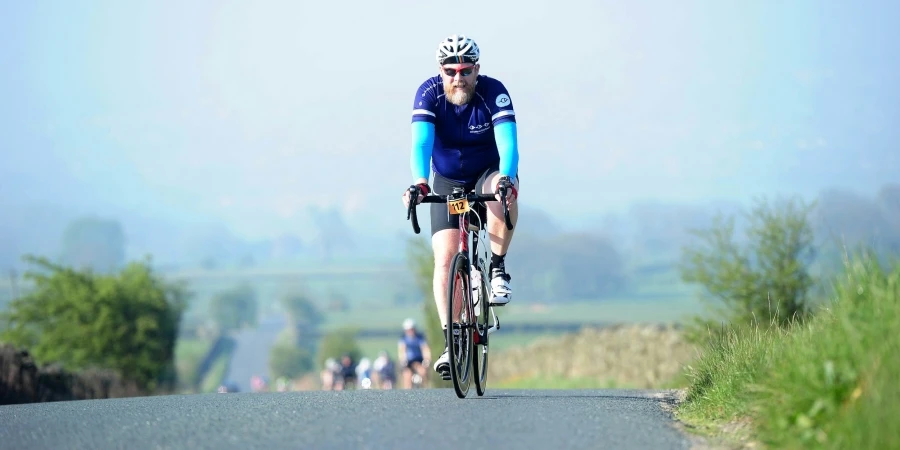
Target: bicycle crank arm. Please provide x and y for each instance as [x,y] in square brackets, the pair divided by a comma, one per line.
[496,325]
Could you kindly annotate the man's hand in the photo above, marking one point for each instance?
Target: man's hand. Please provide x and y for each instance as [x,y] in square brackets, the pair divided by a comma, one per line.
[423,191]
[511,192]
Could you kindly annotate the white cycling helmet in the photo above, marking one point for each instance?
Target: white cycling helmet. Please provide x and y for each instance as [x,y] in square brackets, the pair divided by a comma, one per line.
[458,49]
[409,324]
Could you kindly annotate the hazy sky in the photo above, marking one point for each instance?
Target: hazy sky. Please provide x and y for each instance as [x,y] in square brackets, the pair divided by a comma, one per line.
[252,111]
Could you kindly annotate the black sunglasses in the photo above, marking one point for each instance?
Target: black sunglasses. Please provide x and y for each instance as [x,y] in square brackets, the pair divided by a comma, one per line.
[464,72]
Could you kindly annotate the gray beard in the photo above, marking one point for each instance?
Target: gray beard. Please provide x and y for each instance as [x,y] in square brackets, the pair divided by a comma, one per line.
[459,97]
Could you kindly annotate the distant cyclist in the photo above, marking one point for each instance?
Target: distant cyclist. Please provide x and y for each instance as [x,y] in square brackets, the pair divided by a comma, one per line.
[347,373]
[464,130]
[413,353]
[385,369]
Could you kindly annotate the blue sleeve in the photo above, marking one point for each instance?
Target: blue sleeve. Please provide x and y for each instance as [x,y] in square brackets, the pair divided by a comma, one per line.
[422,145]
[508,145]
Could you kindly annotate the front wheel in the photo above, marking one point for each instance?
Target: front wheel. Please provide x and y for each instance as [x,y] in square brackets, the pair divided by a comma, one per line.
[460,331]
[480,347]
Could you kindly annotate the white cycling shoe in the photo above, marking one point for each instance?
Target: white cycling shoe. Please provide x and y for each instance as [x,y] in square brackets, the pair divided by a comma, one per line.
[443,362]
[501,293]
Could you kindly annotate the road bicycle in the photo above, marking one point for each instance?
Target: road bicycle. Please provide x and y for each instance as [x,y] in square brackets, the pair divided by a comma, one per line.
[468,287]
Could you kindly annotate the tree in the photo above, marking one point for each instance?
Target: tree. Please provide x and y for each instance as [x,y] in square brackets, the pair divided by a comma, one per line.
[334,236]
[301,310]
[289,360]
[851,222]
[590,259]
[235,308]
[765,281]
[337,343]
[546,266]
[888,202]
[126,322]
[92,242]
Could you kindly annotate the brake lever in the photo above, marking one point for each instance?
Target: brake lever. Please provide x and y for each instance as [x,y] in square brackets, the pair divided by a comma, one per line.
[411,210]
[503,187]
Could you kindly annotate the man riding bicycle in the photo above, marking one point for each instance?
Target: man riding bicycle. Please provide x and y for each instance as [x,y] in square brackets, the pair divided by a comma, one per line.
[464,125]
[413,352]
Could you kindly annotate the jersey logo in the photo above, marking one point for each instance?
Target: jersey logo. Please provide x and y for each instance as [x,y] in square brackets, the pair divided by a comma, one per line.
[502,100]
[480,128]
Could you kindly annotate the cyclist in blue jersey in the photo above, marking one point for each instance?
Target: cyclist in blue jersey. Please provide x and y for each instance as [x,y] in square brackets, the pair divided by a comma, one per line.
[413,353]
[464,131]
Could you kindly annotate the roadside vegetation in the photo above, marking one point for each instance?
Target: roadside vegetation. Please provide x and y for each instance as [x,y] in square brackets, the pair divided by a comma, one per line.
[799,355]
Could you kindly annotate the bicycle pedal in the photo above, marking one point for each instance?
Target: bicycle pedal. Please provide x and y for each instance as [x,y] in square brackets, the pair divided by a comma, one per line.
[445,376]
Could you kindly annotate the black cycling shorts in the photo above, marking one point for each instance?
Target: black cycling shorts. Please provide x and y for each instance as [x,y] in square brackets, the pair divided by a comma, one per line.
[440,217]
[409,363]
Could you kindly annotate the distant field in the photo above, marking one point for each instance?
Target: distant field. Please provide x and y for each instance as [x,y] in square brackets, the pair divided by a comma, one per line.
[501,341]
[672,309]
[380,296]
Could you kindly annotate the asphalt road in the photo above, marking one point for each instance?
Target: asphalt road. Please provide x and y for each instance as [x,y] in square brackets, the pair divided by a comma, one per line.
[251,353]
[421,419]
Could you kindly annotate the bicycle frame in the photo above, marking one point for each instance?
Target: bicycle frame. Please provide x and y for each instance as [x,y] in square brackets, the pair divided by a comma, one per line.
[469,238]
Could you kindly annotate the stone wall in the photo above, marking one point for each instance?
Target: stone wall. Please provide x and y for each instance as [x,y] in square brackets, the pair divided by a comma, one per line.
[22,381]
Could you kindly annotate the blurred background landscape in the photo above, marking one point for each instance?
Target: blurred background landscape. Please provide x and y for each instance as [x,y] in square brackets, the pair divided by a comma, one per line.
[256,154]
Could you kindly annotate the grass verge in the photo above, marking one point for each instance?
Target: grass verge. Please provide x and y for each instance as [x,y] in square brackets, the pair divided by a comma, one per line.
[189,352]
[828,383]
[217,373]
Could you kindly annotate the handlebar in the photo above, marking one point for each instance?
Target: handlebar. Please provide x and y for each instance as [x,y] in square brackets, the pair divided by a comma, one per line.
[470,197]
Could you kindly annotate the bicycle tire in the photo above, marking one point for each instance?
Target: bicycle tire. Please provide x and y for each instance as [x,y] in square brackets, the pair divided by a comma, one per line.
[460,355]
[480,346]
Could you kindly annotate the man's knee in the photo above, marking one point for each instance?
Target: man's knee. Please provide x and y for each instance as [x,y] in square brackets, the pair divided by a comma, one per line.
[489,186]
[443,245]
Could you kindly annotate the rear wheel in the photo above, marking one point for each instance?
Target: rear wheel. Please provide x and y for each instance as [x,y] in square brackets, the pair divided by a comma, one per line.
[460,332]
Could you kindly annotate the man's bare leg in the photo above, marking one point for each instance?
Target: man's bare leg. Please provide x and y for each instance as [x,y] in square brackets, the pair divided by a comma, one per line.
[500,236]
[444,244]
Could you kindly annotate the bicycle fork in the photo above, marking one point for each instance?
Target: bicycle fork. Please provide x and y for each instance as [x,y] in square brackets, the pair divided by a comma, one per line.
[477,261]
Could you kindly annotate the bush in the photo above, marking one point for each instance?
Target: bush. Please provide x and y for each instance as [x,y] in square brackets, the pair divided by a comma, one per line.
[826,383]
[126,322]
[764,282]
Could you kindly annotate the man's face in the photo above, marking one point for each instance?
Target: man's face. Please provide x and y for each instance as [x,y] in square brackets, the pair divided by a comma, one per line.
[410,331]
[459,82]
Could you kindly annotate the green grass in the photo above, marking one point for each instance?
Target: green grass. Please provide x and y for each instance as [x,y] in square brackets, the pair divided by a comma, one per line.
[188,355]
[829,383]
[216,375]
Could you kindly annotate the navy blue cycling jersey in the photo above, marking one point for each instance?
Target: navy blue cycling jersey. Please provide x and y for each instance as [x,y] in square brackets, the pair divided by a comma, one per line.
[464,141]
[413,346]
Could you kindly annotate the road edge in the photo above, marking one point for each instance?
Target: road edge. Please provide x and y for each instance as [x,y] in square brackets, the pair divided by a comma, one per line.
[670,399]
